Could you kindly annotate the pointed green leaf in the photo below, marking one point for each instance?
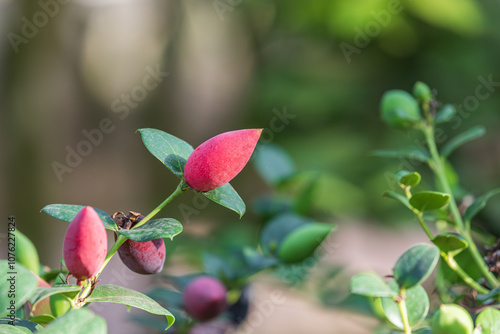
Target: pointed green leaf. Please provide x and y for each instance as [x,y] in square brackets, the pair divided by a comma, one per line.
[302,242]
[417,305]
[446,114]
[66,212]
[489,321]
[429,200]
[370,285]
[22,279]
[227,197]
[398,197]
[277,229]
[415,265]
[26,253]
[464,137]
[121,295]
[416,153]
[43,319]
[408,179]
[478,204]
[77,321]
[170,150]
[20,326]
[154,229]
[450,243]
[273,163]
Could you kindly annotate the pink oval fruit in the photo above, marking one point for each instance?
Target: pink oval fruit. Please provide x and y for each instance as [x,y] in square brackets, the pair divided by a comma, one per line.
[218,160]
[205,298]
[85,244]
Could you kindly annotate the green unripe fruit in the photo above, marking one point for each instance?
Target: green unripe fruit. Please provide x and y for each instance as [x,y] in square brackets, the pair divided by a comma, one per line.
[26,253]
[452,318]
[399,109]
[59,305]
[302,242]
[422,92]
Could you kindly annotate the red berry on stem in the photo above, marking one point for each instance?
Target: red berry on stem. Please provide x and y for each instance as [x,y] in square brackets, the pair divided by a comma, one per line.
[218,160]
[85,244]
[205,298]
[143,257]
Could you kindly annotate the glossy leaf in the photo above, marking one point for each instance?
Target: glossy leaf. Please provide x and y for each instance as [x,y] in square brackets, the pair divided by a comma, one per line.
[446,114]
[302,242]
[154,229]
[489,321]
[227,197]
[464,137]
[66,212]
[370,285]
[77,321]
[277,229]
[417,305]
[42,293]
[24,286]
[121,295]
[415,265]
[429,200]
[408,179]
[170,150]
[273,163]
[416,153]
[479,204]
[398,197]
[450,243]
[21,325]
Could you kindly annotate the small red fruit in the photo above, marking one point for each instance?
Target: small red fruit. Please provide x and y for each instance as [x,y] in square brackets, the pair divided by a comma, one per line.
[205,298]
[218,160]
[141,257]
[85,244]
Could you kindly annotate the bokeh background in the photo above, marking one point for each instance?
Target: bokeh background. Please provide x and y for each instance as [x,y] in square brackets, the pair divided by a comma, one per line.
[311,72]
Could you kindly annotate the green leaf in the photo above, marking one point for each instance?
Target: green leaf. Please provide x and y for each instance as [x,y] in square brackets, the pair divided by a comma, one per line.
[166,297]
[478,204]
[398,197]
[255,261]
[170,150]
[277,229]
[227,197]
[417,305]
[273,163]
[154,229]
[66,212]
[416,153]
[42,293]
[26,253]
[489,321]
[121,295]
[370,285]
[415,265]
[24,284]
[464,137]
[490,295]
[429,200]
[216,266]
[20,326]
[302,242]
[446,114]
[77,321]
[43,319]
[408,179]
[450,243]
[423,330]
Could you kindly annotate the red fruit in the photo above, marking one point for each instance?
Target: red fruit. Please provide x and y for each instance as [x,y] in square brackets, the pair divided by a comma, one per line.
[85,244]
[143,257]
[205,298]
[218,160]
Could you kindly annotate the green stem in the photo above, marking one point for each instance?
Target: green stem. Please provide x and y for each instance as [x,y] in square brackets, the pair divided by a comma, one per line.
[121,239]
[463,275]
[424,225]
[404,312]
[437,166]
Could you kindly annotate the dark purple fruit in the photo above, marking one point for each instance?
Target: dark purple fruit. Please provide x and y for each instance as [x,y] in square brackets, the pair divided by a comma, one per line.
[205,298]
[141,257]
[238,311]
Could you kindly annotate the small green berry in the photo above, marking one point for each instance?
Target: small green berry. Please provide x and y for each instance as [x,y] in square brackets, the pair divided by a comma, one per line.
[452,318]
[399,109]
[422,92]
